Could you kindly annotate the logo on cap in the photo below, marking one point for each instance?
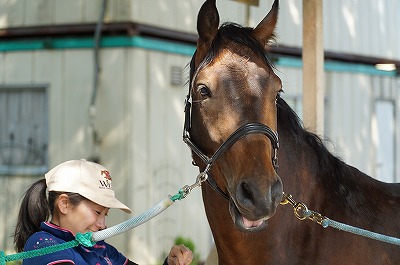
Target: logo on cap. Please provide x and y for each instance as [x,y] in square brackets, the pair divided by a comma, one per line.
[105,184]
[107,174]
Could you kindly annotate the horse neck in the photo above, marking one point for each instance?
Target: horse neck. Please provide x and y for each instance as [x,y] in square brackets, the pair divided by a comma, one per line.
[298,166]
[300,170]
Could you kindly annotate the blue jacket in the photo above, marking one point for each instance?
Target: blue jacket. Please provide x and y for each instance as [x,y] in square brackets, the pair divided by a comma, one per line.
[49,234]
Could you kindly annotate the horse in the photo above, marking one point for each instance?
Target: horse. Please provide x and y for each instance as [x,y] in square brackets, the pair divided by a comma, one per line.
[234,115]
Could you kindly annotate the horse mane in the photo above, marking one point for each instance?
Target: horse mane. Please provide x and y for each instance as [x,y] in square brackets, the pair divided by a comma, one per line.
[334,173]
[346,185]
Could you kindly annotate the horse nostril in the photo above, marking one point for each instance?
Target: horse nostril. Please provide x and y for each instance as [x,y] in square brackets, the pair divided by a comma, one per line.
[258,198]
[245,194]
[249,196]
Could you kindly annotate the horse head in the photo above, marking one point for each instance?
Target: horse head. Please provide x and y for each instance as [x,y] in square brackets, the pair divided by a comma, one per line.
[232,84]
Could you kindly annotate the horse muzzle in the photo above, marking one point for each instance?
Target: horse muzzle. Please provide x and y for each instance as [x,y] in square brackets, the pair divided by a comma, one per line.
[253,203]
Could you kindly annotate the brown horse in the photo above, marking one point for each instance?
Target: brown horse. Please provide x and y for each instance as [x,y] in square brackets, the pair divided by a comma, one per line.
[235,104]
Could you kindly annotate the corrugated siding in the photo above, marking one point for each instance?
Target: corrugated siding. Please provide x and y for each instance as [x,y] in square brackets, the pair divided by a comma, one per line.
[363,27]
[351,102]
[139,118]
[10,195]
[163,160]
[368,27]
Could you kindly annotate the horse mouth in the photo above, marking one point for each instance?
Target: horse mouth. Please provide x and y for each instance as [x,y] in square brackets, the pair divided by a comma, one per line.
[244,224]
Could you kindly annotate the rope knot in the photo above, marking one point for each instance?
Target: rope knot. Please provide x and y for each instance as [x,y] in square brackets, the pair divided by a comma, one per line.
[180,195]
[85,239]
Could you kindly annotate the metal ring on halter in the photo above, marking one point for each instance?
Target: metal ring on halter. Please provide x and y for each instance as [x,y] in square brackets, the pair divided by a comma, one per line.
[199,180]
[203,176]
[301,211]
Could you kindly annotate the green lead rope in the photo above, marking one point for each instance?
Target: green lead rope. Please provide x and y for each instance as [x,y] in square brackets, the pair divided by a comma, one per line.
[80,239]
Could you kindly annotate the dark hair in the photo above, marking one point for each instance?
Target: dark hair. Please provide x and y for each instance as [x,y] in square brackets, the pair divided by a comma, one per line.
[36,208]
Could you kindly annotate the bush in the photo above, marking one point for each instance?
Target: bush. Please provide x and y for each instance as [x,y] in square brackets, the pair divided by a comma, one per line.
[189,244]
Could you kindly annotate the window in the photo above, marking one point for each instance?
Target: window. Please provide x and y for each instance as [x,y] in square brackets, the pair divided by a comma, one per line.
[23,130]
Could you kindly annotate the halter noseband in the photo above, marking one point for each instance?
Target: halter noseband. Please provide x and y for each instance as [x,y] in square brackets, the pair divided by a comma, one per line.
[242,131]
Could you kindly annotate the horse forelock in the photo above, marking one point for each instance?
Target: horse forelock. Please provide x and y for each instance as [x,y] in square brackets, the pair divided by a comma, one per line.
[235,33]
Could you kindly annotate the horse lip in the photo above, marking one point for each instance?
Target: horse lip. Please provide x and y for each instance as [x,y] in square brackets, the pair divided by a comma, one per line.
[237,218]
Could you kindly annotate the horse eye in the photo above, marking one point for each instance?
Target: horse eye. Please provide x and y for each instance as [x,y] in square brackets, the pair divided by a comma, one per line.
[204,91]
[278,95]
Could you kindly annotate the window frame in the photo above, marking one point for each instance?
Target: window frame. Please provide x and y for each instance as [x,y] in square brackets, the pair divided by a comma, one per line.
[21,169]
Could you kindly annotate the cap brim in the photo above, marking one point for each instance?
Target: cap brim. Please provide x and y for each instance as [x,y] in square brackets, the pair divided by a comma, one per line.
[107,201]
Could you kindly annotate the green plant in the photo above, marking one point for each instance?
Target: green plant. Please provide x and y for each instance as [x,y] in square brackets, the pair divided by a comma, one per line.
[189,244]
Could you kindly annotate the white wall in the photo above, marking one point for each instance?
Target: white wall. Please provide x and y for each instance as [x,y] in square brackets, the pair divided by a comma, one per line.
[368,27]
[139,118]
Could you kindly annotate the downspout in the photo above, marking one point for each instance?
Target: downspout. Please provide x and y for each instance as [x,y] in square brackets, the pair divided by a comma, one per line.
[96,140]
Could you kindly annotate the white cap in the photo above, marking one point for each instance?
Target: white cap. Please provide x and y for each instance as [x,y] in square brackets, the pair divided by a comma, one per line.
[91,180]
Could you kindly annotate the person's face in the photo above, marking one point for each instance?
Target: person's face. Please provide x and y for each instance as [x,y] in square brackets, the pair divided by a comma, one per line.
[87,216]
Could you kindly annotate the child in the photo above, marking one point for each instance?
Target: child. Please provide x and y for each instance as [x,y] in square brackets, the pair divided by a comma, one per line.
[79,197]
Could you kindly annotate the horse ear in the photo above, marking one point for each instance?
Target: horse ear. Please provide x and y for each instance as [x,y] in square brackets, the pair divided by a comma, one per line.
[207,26]
[265,29]
[208,21]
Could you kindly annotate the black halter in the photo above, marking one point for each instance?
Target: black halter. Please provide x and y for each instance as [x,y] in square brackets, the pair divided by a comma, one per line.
[234,137]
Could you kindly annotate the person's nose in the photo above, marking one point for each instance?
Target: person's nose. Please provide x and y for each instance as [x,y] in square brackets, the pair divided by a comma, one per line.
[101,222]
